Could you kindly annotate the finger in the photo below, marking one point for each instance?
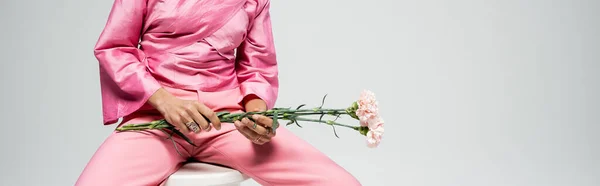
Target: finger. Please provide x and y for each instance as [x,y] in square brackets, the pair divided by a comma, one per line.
[261,140]
[175,120]
[264,140]
[270,133]
[261,129]
[251,134]
[247,132]
[267,122]
[193,126]
[189,122]
[210,114]
[241,128]
[263,120]
[255,127]
[197,117]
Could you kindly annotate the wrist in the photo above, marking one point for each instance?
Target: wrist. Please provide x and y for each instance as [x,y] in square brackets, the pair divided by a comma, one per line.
[253,103]
[159,98]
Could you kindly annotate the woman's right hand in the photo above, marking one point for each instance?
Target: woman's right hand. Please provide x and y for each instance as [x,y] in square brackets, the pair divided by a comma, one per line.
[185,115]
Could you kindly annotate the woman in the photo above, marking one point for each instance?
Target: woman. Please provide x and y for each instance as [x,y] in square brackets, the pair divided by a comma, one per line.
[183,61]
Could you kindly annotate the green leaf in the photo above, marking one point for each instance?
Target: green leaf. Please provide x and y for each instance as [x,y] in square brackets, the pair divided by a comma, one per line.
[334,132]
[184,137]
[219,114]
[170,137]
[296,121]
[337,117]
[298,108]
[250,118]
[166,133]
[323,102]
[275,122]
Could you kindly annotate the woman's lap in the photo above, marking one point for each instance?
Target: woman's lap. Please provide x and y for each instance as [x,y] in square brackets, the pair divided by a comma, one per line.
[148,158]
[132,158]
[286,160]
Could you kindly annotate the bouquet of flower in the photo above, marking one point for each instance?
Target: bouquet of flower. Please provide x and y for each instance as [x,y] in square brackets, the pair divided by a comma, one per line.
[365,110]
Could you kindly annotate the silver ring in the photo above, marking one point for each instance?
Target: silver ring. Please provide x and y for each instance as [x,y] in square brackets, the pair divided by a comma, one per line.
[193,126]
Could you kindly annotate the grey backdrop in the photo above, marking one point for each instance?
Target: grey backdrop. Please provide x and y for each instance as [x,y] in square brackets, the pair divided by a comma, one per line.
[474,93]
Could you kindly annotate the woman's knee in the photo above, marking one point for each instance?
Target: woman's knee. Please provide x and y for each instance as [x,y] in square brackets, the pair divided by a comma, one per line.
[308,160]
[123,157]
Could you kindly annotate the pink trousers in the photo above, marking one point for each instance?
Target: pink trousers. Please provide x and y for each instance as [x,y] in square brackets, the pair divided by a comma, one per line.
[148,158]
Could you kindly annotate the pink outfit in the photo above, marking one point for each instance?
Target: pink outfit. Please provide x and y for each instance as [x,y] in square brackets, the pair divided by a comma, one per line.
[213,51]
[185,45]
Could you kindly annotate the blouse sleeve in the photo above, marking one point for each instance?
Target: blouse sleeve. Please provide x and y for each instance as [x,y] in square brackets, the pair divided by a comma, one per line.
[256,60]
[126,83]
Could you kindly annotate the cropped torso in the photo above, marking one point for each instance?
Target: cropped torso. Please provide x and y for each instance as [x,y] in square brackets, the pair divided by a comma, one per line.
[207,64]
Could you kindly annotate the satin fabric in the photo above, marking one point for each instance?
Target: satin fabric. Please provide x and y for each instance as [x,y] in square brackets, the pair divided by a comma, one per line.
[218,48]
[215,52]
[149,158]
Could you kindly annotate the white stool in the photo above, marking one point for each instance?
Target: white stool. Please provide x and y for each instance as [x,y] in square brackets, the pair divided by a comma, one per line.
[203,174]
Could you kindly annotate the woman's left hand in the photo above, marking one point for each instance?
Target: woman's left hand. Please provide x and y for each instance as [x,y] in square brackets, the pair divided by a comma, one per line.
[259,131]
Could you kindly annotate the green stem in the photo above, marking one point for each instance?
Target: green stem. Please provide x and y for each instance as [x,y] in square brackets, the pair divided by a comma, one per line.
[285,114]
[329,122]
[225,117]
[294,111]
[125,127]
[303,112]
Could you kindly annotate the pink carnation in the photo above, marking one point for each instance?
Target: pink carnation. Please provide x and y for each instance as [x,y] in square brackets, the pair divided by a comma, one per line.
[367,107]
[375,133]
[375,122]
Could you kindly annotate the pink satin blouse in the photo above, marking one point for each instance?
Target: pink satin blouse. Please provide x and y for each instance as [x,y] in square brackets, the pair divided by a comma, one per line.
[212,46]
